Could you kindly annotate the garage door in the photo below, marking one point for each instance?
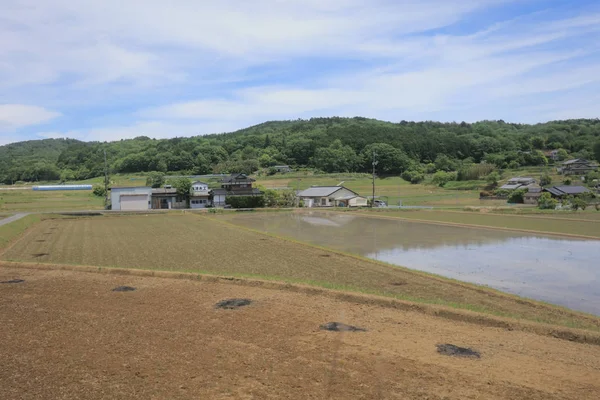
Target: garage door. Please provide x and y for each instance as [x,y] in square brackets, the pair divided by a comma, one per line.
[134,202]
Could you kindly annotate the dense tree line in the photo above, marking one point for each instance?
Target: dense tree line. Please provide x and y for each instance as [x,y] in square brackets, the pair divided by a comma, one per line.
[327,144]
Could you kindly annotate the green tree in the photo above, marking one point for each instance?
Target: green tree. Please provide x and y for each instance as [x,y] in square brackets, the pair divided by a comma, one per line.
[567,181]
[413,176]
[562,154]
[546,202]
[336,158]
[577,203]
[440,178]
[155,179]
[516,196]
[445,163]
[597,151]
[99,191]
[545,180]
[390,160]
[184,188]
[492,179]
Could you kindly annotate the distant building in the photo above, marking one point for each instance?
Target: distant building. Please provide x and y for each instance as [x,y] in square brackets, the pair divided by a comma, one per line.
[234,185]
[130,198]
[533,194]
[518,183]
[200,197]
[578,166]
[282,168]
[560,192]
[331,196]
[167,199]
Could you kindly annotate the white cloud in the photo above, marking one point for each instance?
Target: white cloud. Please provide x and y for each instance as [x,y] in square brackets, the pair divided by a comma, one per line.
[190,67]
[13,116]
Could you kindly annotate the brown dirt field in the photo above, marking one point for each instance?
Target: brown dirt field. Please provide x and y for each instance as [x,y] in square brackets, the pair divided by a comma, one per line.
[189,243]
[67,335]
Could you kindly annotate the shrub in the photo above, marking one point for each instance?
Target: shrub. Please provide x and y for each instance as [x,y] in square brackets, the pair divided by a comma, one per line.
[502,192]
[99,191]
[545,180]
[597,206]
[516,196]
[546,202]
[413,176]
[245,201]
[567,181]
[492,179]
[440,178]
[577,203]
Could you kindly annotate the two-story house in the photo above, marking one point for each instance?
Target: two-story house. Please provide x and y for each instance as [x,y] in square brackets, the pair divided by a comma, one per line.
[578,166]
[200,196]
[234,185]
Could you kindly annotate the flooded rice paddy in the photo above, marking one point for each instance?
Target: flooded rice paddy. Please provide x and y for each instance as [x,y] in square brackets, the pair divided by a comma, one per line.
[561,271]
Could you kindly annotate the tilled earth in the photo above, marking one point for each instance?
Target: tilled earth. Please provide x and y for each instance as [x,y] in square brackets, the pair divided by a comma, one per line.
[68,335]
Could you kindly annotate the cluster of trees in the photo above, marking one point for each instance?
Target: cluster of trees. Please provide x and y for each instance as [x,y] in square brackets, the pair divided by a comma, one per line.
[410,149]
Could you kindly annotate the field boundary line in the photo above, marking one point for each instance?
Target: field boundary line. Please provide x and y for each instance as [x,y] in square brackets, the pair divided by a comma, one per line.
[541,329]
[460,225]
[19,237]
[530,216]
[455,282]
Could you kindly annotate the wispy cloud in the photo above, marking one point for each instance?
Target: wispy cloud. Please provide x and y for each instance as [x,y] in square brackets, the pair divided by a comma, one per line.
[122,69]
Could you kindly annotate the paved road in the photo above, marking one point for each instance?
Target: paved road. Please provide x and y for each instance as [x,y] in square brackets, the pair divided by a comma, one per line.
[12,219]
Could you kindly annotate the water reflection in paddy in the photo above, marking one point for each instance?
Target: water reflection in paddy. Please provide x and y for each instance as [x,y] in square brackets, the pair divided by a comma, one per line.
[558,270]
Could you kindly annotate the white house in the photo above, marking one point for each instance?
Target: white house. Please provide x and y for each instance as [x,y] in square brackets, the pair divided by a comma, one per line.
[130,198]
[199,186]
[331,196]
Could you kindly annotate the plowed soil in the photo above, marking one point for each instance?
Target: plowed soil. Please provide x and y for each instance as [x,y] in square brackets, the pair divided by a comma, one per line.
[67,335]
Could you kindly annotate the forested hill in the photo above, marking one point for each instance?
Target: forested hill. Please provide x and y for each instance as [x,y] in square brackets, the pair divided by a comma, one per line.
[327,144]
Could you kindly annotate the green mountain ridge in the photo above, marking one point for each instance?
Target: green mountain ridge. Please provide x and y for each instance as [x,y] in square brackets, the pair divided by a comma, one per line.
[329,144]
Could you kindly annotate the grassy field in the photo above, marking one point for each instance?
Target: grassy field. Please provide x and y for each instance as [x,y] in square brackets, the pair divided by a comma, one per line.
[33,201]
[11,231]
[540,223]
[190,243]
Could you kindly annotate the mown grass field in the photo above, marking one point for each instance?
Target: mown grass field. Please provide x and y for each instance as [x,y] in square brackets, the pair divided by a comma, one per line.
[191,243]
[539,223]
[34,201]
[11,231]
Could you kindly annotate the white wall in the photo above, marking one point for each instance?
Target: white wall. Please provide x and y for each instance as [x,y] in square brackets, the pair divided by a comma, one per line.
[116,193]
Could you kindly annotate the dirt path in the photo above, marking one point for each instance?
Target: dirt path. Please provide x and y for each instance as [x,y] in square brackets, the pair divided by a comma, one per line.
[13,218]
[67,335]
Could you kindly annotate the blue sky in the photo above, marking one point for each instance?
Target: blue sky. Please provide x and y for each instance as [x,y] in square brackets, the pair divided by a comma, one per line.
[108,70]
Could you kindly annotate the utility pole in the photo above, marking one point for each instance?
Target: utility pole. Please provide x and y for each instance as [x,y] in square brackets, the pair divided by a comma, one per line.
[105,180]
[374,164]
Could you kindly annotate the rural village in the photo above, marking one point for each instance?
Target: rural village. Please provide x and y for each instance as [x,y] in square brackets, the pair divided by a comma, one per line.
[337,200]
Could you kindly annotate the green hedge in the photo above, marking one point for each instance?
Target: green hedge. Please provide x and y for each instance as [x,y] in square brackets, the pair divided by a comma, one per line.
[245,201]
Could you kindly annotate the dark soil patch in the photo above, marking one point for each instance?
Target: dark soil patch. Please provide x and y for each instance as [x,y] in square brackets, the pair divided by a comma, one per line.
[232,304]
[14,281]
[38,255]
[40,241]
[123,289]
[325,255]
[452,350]
[398,283]
[339,327]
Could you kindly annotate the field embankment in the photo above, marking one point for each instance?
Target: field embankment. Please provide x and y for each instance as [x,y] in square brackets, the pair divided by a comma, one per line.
[190,243]
[537,223]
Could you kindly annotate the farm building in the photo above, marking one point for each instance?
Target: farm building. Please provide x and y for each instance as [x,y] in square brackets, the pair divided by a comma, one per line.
[282,168]
[331,196]
[167,199]
[560,192]
[130,198]
[518,183]
[577,166]
[234,185]
[533,194]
